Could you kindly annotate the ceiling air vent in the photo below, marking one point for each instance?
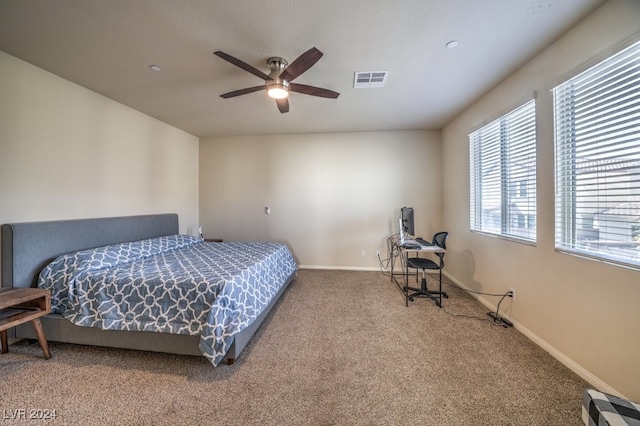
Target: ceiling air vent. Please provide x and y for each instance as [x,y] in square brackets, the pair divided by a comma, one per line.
[369,79]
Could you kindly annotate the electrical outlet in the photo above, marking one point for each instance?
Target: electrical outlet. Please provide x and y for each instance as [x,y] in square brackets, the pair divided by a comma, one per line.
[513,293]
[363,253]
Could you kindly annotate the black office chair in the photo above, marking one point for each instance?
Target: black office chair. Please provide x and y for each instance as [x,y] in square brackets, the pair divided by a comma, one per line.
[419,263]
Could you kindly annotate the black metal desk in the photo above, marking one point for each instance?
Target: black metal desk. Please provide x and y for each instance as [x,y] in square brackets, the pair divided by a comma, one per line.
[398,249]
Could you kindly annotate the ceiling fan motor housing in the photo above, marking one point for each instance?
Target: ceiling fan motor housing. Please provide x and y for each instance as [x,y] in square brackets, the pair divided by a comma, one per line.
[277,87]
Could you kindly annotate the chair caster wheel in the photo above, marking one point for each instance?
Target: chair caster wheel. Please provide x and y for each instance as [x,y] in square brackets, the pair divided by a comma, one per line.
[411,299]
[446,296]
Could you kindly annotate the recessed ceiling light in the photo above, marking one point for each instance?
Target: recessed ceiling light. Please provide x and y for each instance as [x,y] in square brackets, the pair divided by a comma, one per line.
[452,44]
[154,68]
[541,6]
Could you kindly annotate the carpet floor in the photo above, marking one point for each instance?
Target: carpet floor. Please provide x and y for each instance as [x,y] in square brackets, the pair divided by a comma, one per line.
[339,348]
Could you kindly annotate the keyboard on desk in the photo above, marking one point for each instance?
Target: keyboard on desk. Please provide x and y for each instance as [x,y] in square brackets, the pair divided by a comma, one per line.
[416,244]
[423,242]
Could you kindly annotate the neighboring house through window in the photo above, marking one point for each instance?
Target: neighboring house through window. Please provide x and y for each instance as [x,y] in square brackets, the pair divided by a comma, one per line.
[597,137]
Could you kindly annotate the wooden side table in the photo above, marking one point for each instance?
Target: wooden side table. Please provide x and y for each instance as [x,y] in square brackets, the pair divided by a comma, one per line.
[20,305]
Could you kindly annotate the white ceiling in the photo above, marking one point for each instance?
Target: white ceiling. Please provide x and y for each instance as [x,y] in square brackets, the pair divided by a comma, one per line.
[107,46]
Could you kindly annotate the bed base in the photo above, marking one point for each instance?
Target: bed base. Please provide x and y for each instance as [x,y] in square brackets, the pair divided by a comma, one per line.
[29,247]
[58,329]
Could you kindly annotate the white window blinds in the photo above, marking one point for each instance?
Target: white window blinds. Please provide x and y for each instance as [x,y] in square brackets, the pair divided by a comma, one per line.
[597,132]
[503,175]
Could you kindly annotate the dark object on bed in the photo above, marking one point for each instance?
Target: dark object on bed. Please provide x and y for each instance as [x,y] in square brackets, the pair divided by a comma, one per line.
[28,247]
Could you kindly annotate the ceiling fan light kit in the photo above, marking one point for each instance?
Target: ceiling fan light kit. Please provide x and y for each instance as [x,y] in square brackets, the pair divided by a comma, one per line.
[278,83]
[277,88]
[277,91]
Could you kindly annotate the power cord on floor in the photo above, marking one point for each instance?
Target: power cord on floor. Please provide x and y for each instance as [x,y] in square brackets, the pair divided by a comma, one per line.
[496,319]
[496,315]
[469,317]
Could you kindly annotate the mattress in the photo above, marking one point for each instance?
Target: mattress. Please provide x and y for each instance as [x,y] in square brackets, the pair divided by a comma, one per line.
[174,284]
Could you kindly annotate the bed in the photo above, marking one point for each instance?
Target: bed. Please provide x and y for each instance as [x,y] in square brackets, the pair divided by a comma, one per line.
[122,282]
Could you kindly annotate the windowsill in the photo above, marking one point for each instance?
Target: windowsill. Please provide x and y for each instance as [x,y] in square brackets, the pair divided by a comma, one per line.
[594,258]
[507,238]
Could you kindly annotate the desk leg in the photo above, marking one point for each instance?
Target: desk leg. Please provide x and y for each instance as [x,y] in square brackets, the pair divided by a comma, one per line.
[5,341]
[41,339]
[405,270]
[393,260]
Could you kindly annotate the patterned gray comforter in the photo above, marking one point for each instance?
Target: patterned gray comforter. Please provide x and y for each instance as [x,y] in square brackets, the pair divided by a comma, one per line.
[176,284]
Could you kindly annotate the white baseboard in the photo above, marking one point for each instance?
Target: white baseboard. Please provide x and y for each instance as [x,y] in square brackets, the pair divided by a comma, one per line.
[593,380]
[341,268]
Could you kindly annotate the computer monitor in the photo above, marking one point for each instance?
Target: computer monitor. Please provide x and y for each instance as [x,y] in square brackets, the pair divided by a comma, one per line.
[406,222]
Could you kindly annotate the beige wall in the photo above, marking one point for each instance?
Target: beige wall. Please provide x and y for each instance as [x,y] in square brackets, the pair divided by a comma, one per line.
[67,152]
[584,312]
[331,195]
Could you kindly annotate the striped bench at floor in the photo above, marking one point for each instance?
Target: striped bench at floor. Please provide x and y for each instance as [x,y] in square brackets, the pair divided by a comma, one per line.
[602,409]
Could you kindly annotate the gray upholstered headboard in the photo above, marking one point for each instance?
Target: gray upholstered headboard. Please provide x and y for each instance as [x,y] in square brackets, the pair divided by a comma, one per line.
[28,247]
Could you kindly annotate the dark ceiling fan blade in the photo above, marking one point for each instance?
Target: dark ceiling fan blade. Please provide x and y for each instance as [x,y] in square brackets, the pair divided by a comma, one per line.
[301,64]
[237,62]
[283,105]
[313,91]
[242,91]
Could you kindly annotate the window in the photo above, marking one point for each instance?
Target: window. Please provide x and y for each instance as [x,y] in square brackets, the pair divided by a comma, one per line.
[503,175]
[597,136]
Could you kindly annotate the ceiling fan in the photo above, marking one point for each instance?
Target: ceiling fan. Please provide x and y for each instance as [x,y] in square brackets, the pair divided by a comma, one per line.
[278,83]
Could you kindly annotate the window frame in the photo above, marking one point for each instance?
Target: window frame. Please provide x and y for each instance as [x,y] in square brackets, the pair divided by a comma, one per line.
[572,153]
[517,133]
